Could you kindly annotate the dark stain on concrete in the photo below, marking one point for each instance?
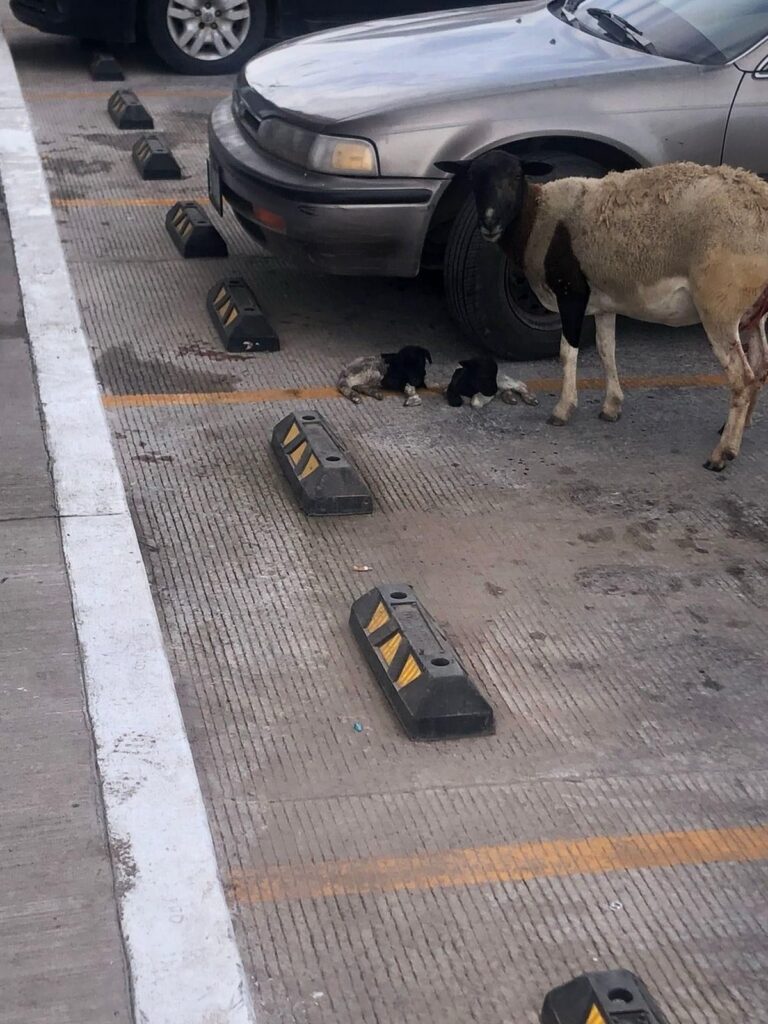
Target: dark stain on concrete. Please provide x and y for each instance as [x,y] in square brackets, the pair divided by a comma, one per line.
[745,519]
[216,355]
[709,683]
[121,371]
[153,458]
[78,167]
[495,589]
[124,865]
[633,580]
[602,535]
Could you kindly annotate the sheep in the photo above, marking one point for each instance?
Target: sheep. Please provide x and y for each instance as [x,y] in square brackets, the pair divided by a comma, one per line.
[403,371]
[678,244]
[477,380]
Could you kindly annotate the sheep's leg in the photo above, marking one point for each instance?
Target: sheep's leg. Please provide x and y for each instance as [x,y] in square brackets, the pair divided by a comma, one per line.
[727,346]
[606,345]
[755,346]
[569,396]
[757,354]
[572,307]
[509,388]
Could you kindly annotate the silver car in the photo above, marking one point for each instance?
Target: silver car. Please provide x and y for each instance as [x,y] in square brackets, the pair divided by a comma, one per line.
[328,151]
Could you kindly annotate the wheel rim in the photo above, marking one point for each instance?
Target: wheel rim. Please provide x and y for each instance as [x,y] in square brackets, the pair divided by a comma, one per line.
[209,29]
[527,307]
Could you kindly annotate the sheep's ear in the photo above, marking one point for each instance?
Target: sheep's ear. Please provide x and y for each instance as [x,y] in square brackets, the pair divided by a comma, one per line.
[537,168]
[455,167]
[427,355]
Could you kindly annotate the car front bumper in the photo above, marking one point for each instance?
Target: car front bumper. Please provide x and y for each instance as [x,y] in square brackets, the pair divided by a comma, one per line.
[350,226]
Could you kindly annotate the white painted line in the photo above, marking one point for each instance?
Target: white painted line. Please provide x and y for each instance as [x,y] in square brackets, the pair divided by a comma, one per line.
[181,950]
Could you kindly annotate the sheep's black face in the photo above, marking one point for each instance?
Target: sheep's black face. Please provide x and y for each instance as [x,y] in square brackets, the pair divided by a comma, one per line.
[498,185]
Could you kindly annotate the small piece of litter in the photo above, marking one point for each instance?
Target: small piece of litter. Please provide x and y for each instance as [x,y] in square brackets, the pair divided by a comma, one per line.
[318,995]
[616,905]
[358,726]
[361,568]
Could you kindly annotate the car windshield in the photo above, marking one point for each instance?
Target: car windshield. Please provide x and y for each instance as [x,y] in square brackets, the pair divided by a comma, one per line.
[698,31]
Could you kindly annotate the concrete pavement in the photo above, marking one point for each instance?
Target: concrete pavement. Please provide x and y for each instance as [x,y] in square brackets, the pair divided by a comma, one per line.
[180,953]
[61,953]
[606,592]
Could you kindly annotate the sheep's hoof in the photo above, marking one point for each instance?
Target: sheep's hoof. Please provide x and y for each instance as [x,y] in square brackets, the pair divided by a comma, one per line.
[556,421]
[715,466]
[529,399]
[509,398]
[411,401]
[609,417]
[355,399]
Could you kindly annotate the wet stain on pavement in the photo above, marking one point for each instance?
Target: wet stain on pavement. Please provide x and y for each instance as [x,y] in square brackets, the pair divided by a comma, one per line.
[121,371]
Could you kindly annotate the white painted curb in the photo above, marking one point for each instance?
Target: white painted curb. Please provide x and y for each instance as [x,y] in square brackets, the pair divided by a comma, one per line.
[184,962]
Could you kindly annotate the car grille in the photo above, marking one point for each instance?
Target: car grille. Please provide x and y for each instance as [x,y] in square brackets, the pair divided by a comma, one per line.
[246,120]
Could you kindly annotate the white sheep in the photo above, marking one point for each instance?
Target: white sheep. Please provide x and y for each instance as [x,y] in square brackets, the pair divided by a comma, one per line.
[678,244]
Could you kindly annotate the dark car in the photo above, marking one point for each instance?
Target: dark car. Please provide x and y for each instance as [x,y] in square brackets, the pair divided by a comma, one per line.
[208,37]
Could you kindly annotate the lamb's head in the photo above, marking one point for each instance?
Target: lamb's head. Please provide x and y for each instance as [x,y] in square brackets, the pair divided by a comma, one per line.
[408,367]
[498,183]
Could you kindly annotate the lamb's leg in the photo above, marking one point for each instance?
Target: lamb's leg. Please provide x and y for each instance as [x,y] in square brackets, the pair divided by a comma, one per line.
[345,389]
[411,397]
[371,391]
[605,324]
[509,389]
[726,344]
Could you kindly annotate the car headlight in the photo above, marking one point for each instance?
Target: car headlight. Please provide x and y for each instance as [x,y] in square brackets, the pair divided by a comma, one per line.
[328,154]
[332,155]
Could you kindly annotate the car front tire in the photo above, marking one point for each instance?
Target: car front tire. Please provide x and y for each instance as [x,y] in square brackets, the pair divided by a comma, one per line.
[491,302]
[203,37]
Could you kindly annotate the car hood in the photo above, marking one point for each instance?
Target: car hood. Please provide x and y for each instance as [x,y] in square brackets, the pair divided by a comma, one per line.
[422,61]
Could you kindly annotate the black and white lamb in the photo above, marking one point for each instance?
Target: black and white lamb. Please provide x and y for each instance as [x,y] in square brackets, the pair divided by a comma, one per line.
[477,382]
[678,244]
[404,371]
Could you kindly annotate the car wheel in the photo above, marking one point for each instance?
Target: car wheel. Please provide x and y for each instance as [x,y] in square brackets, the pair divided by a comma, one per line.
[492,302]
[206,37]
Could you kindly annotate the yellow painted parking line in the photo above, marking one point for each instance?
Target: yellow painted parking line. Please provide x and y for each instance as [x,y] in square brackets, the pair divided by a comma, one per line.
[123,201]
[219,397]
[487,865]
[285,394]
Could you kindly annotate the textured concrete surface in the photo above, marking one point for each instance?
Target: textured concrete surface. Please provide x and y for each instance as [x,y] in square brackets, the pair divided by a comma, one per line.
[62,956]
[182,957]
[608,595]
